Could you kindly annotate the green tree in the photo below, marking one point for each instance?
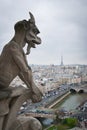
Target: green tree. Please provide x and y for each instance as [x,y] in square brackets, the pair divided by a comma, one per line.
[71,122]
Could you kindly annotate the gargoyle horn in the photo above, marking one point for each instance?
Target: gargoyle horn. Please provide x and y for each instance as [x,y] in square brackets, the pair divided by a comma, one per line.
[32,19]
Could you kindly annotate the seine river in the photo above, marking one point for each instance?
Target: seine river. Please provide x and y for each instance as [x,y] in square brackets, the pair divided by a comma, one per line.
[72,101]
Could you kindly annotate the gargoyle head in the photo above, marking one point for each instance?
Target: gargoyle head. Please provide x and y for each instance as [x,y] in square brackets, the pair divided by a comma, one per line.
[31,32]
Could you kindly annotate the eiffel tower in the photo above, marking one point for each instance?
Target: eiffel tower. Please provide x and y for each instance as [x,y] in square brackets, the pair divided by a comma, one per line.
[61,61]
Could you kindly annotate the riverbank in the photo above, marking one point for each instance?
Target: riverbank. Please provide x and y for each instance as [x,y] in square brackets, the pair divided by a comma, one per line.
[83,106]
[58,100]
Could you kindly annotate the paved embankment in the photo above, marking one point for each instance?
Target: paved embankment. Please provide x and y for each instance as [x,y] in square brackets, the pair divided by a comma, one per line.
[59,100]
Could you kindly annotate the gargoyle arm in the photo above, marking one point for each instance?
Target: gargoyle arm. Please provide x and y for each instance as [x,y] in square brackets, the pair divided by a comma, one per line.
[24,72]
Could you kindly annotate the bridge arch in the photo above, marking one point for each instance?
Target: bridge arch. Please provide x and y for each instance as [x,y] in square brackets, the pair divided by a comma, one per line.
[73,90]
[81,91]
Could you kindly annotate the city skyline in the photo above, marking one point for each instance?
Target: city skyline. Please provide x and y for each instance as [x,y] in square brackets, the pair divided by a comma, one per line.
[62,25]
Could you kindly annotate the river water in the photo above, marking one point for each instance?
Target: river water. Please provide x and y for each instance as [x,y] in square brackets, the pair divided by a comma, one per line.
[72,101]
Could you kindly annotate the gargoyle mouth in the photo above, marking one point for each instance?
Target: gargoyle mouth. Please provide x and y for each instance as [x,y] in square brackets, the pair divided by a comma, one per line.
[37,40]
[32,42]
[33,39]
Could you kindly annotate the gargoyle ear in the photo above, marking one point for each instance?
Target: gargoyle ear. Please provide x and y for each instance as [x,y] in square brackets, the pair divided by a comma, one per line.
[32,19]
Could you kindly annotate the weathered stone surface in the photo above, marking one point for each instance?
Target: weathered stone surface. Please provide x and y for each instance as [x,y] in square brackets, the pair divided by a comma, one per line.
[13,59]
[15,103]
[4,103]
[26,123]
[1,122]
[4,107]
[13,63]
[4,94]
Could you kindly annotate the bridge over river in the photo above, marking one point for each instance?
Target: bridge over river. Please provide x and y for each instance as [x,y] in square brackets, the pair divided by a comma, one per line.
[79,89]
[42,112]
[41,115]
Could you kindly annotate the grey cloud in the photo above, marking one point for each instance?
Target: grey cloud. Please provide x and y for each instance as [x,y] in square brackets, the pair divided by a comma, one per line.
[63,27]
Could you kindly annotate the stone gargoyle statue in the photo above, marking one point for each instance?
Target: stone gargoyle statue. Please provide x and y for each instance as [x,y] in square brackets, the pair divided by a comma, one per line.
[13,63]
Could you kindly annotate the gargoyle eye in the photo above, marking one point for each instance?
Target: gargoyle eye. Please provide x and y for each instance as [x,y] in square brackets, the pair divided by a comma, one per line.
[35,30]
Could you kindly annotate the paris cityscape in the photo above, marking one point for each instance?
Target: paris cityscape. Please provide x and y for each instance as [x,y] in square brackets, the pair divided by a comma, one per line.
[56,82]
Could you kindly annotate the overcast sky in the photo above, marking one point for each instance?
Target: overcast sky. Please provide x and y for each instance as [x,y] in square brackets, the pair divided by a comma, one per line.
[63,27]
